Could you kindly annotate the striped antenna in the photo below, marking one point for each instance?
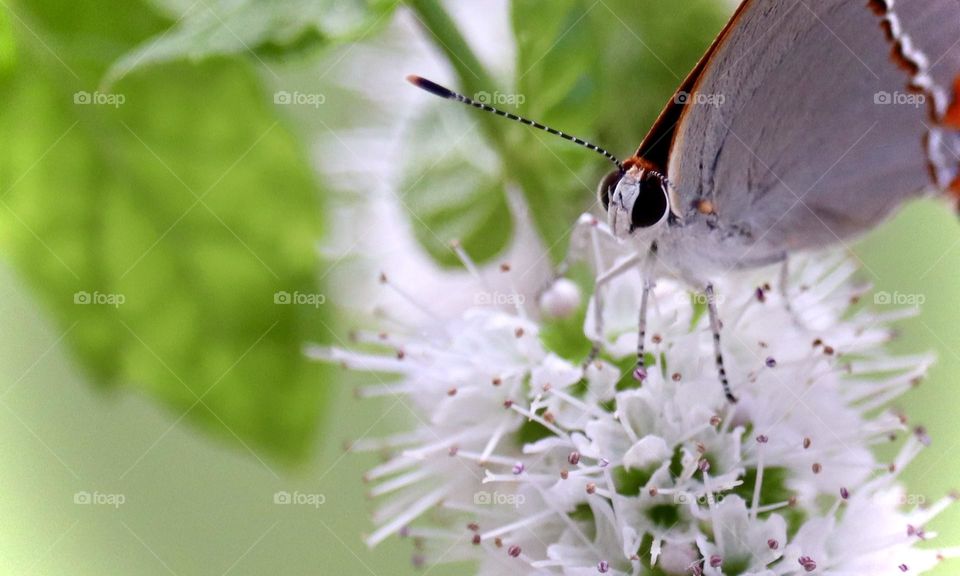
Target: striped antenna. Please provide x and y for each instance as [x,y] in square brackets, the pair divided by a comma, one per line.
[438,90]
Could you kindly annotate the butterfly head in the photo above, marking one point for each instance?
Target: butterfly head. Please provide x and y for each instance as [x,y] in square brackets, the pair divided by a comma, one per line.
[636,195]
[636,199]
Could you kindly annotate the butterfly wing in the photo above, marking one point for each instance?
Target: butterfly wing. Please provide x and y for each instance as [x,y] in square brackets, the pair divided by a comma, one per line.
[811,121]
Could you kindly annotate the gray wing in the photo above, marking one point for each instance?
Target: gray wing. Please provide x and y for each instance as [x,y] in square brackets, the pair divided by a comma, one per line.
[814,119]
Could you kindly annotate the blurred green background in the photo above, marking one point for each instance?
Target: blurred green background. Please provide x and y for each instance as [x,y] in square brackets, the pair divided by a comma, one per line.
[201,199]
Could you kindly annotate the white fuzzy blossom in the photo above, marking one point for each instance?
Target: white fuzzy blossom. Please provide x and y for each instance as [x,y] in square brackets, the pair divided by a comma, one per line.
[526,462]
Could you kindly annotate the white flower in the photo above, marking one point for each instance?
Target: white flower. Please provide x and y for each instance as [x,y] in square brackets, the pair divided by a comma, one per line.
[528,463]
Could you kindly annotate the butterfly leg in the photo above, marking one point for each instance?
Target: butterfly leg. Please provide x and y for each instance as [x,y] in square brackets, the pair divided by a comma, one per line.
[640,371]
[604,278]
[715,328]
[784,281]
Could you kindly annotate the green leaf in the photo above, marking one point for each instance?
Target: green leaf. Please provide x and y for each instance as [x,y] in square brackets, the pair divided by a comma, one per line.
[558,79]
[162,225]
[602,71]
[254,27]
[452,188]
[7,47]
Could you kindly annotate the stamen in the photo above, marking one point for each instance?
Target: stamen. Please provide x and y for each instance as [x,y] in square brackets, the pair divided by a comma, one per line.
[399,482]
[514,526]
[357,361]
[755,502]
[408,298]
[494,439]
[404,518]
[468,263]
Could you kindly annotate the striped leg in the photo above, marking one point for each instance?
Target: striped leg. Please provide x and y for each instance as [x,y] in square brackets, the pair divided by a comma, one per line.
[640,372]
[715,328]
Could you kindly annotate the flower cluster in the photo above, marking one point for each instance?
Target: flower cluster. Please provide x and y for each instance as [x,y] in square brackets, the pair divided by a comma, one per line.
[527,462]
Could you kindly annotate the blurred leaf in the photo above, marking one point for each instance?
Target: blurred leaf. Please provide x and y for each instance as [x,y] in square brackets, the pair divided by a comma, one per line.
[255,27]
[158,224]
[452,187]
[651,46]
[7,47]
[602,71]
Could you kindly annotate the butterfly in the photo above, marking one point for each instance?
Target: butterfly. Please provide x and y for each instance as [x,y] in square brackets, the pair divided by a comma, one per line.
[805,124]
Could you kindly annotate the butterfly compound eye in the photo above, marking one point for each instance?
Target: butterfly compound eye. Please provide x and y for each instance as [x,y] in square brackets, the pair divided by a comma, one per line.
[607,186]
[651,204]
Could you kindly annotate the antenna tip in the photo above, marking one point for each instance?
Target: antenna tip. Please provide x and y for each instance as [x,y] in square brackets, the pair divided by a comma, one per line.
[431,87]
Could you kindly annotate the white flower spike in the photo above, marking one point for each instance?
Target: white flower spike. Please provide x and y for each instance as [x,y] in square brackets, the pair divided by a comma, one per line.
[526,462]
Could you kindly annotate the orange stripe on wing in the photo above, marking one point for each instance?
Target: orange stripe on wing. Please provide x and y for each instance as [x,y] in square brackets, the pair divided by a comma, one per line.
[954,190]
[952,117]
[641,163]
